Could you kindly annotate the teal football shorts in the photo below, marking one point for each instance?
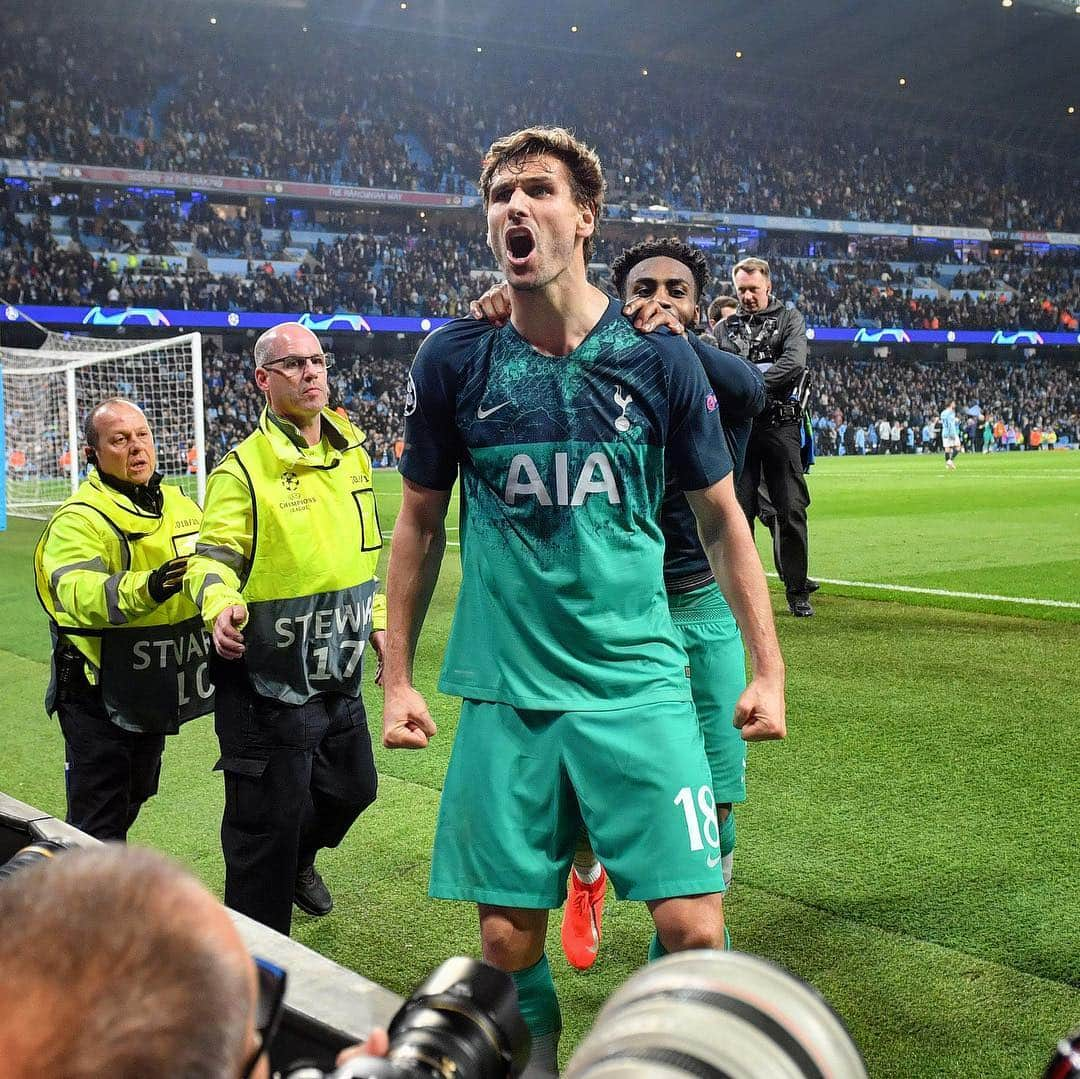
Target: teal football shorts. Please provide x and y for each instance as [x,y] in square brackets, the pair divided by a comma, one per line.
[521,784]
[706,629]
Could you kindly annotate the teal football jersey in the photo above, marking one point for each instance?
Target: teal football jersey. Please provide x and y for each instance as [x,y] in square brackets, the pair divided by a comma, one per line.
[562,464]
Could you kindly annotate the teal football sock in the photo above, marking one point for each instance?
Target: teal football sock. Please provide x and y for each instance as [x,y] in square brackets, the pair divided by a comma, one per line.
[727,847]
[656,948]
[540,1009]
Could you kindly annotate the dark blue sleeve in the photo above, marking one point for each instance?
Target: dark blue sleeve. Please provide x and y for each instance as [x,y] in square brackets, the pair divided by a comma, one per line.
[432,443]
[738,385]
[696,453]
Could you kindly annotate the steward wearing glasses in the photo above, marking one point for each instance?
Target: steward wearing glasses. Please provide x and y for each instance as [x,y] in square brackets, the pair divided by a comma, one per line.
[284,575]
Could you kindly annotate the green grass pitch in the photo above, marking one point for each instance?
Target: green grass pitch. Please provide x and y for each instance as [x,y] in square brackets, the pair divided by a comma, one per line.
[911,849]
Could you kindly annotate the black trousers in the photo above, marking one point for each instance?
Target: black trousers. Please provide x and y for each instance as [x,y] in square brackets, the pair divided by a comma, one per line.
[296,778]
[773,456]
[109,771]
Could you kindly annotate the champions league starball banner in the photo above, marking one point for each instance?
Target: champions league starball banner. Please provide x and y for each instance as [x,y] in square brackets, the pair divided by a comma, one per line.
[184,321]
[347,322]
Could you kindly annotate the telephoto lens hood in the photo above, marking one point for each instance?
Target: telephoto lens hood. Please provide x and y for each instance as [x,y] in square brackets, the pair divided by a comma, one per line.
[713,1013]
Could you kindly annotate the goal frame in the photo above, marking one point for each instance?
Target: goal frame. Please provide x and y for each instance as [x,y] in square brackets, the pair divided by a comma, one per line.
[47,361]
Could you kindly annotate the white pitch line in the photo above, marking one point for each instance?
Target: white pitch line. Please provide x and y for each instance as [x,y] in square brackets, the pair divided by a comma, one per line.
[910,588]
[946,592]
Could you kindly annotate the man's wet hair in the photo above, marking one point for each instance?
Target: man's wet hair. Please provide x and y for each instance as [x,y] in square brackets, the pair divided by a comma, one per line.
[582,163]
[691,257]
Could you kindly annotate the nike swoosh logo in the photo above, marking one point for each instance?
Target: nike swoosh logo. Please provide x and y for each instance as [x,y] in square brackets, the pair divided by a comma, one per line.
[712,862]
[483,413]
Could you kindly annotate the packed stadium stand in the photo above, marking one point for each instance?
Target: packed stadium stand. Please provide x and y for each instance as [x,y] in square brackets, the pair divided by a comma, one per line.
[967,241]
[124,249]
[325,117]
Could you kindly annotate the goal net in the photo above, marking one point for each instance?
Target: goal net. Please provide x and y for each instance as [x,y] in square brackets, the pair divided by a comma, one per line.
[48,391]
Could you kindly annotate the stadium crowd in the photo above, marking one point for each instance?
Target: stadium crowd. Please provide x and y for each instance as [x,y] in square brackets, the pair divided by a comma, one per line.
[209,107]
[428,269]
[893,406]
[854,293]
[874,396]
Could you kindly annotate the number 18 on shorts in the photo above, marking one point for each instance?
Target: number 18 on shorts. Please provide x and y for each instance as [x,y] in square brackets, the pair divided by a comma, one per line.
[522,783]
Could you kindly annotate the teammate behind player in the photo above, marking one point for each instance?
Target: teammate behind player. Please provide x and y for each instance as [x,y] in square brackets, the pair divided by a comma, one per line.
[674,275]
[562,423]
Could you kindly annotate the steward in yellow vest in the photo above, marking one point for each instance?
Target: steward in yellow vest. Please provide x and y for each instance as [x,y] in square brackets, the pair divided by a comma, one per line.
[130,656]
[284,575]
[292,534]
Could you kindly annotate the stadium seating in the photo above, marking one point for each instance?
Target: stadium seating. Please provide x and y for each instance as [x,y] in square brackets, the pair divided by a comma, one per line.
[78,252]
[215,107]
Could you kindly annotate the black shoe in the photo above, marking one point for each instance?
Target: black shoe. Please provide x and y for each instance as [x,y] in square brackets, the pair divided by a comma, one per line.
[311,895]
[811,584]
[800,607]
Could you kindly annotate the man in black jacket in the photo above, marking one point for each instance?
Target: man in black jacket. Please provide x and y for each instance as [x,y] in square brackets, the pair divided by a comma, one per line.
[773,338]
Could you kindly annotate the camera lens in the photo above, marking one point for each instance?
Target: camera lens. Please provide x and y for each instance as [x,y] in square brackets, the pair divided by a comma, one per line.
[716,1014]
[463,1021]
[30,855]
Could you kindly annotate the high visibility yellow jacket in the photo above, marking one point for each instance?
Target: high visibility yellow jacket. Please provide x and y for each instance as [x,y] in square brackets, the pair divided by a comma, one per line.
[292,533]
[92,566]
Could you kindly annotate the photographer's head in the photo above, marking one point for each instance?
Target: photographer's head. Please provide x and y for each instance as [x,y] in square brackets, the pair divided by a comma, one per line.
[720,308]
[753,284]
[115,961]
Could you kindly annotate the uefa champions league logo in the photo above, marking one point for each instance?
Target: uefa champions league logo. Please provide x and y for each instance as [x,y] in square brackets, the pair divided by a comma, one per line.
[875,337]
[137,316]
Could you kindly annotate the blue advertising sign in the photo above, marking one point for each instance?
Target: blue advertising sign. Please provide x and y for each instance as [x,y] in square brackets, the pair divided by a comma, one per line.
[350,322]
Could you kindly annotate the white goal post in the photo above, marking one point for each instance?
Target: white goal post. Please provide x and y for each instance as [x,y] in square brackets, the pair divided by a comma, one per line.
[48,392]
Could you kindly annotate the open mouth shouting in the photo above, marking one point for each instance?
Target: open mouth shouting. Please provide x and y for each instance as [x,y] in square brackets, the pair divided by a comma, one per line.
[519,243]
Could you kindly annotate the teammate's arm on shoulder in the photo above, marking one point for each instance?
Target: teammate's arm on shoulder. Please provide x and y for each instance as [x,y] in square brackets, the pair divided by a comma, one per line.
[493,306]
